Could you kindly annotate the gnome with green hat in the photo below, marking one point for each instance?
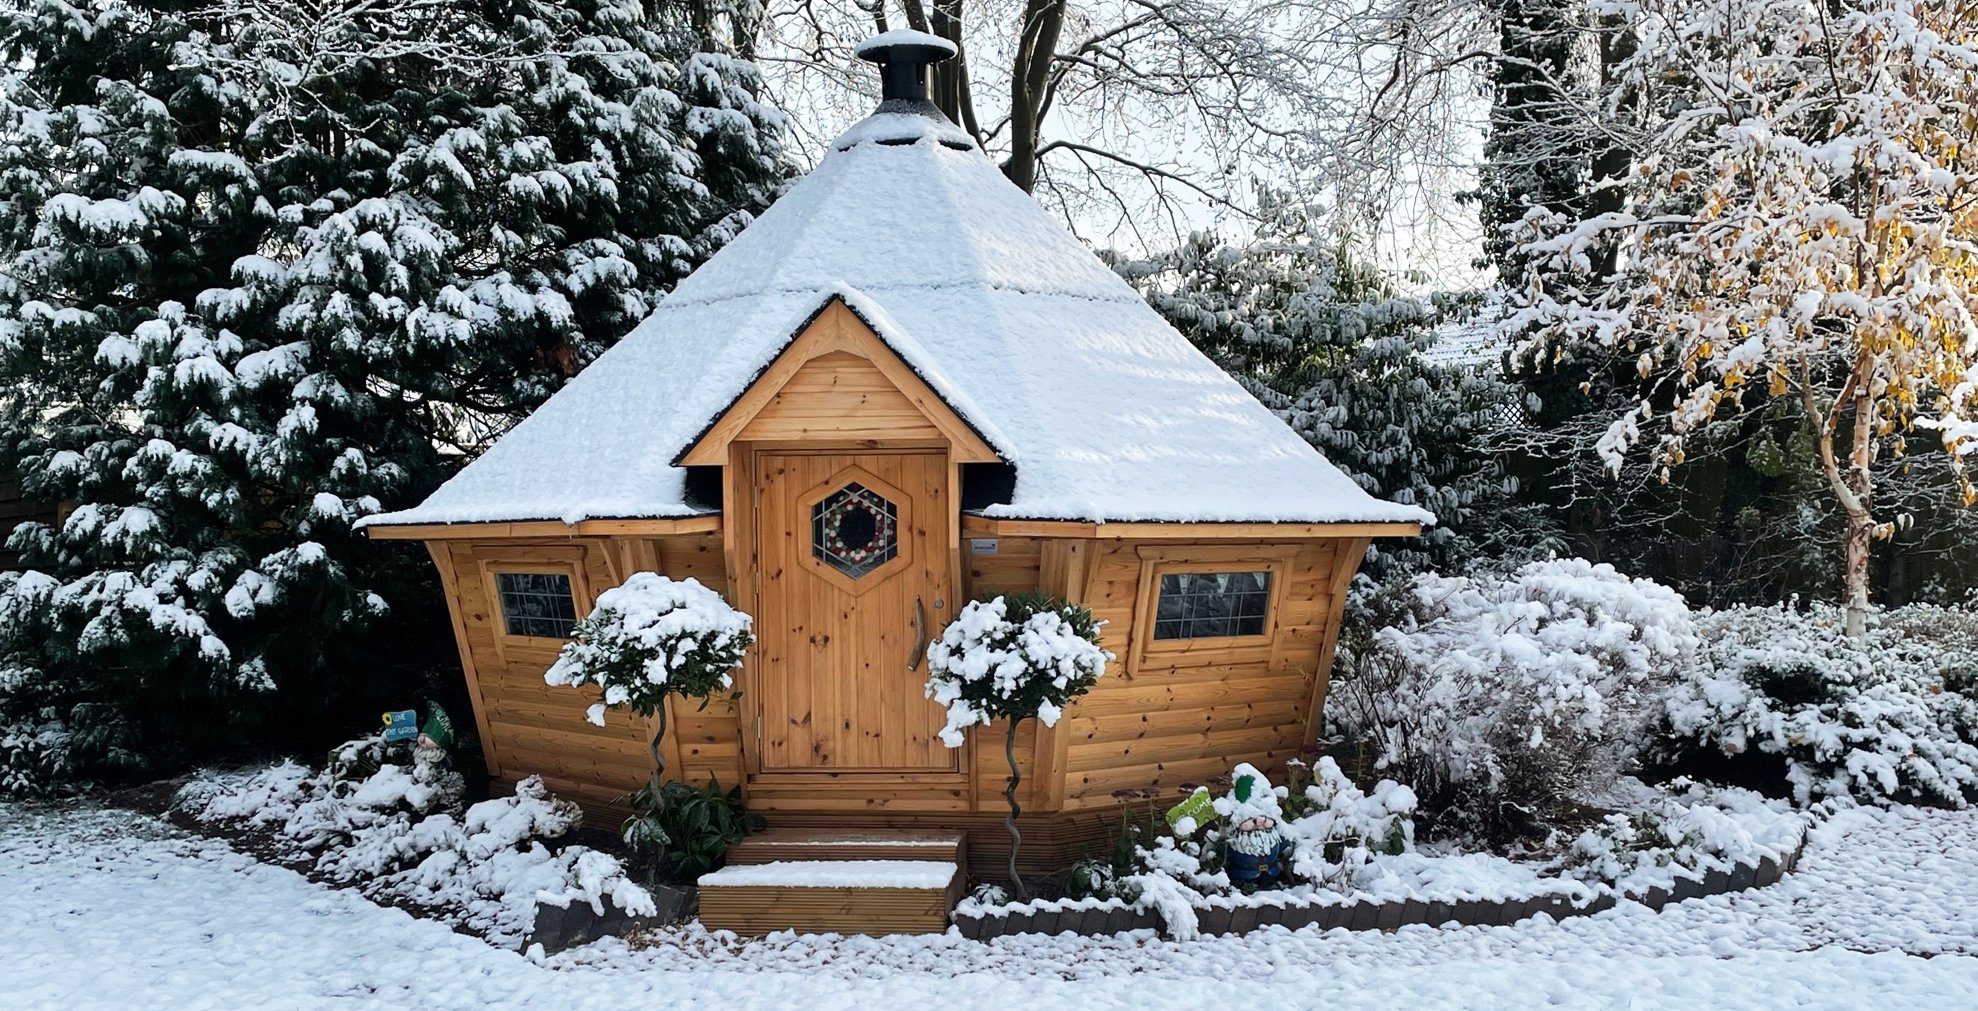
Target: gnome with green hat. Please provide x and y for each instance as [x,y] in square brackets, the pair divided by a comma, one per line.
[432,758]
[1254,847]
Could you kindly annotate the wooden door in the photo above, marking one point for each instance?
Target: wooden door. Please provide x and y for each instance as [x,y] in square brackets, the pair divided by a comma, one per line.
[854,556]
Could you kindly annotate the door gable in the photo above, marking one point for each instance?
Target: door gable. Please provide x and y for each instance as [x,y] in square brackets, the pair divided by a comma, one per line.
[837,382]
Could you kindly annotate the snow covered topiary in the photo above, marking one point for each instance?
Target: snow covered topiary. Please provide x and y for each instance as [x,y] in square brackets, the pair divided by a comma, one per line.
[647,639]
[650,638]
[1013,658]
[1878,718]
[1499,697]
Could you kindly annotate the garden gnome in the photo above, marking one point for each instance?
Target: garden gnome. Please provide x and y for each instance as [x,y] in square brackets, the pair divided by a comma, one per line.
[1255,847]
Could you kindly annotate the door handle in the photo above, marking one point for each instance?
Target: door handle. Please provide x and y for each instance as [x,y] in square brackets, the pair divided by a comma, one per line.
[919,634]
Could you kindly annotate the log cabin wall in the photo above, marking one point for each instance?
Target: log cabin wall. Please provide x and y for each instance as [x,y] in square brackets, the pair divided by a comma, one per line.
[1182,712]
[527,727]
[1158,719]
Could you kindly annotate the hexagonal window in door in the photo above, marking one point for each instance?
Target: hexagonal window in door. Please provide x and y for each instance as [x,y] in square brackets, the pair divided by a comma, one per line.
[855,530]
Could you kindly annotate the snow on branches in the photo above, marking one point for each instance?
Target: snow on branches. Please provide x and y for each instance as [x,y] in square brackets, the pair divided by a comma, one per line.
[1801,223]
[650,638]
[1012,658]
[268,267]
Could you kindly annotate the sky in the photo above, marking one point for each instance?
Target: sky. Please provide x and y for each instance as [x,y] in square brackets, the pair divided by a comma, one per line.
[1427,239]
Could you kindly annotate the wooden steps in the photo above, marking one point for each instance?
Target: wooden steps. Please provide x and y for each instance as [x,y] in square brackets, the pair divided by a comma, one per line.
[846,844]
[835,881]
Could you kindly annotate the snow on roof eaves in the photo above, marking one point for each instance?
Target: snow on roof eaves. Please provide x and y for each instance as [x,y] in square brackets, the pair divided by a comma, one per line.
[1105,410]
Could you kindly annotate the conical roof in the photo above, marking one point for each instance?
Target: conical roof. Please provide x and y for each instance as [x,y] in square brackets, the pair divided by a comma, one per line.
[1104,410]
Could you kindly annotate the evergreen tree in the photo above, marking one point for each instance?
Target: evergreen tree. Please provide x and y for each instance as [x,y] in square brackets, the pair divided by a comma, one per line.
[270,267]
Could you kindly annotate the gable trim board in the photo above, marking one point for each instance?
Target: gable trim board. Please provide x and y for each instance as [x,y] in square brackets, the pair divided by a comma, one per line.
[836,328]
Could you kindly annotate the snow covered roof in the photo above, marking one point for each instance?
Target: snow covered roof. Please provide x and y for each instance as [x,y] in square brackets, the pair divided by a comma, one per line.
[1103,409]
[1472,342]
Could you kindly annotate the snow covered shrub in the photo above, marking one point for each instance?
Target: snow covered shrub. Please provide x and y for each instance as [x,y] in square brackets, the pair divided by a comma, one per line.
[1502,697]
[1333,833]
[399,835]
[1336,826]
[1875,718]
[1013,658]
[43,756]
[646,640]
[1685,826]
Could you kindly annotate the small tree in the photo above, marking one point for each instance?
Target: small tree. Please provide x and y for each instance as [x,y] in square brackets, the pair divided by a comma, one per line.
[1800,227]
[1013,658]
[647,639]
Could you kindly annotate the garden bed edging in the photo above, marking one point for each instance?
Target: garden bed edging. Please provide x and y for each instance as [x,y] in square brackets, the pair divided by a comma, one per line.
[1241,914]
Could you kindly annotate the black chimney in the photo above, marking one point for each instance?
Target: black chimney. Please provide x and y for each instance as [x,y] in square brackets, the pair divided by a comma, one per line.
[903,57]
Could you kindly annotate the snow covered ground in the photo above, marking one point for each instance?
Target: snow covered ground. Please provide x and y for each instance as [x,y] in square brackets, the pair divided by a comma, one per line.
[109,909]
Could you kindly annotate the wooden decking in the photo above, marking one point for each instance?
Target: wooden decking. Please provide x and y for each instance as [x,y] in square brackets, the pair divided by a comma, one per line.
[835,881]
[846,844]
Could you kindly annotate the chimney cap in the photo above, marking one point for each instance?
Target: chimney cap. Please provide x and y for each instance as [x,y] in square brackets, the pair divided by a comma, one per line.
[919,47]
[903,57]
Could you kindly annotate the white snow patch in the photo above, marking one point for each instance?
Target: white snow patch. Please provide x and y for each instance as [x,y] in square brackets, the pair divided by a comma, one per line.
[125,911]
[834,874]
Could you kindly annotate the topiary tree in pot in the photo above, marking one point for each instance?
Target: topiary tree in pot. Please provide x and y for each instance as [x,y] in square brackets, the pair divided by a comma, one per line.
[1013,658]
[647,639]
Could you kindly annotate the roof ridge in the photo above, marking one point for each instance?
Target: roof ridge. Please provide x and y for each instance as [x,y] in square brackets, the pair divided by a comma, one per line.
[1126,297]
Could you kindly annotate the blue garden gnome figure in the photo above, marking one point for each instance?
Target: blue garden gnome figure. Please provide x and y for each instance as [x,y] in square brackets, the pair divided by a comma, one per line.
[1255,847]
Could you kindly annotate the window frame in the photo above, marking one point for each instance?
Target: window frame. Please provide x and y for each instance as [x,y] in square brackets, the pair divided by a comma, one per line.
[566,562]
[905,515]
[1156,562]
[1183,570]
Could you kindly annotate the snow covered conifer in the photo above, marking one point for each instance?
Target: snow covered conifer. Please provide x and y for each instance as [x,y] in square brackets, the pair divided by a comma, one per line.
[1013,658]
[263,270]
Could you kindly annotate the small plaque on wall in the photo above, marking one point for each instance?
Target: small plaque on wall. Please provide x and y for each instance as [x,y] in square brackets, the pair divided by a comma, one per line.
[983,545]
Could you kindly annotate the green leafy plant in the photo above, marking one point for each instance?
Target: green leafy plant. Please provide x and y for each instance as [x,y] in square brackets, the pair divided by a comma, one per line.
[699,822]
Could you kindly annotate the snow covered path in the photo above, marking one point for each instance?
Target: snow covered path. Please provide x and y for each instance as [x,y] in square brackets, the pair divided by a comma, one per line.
[109,909]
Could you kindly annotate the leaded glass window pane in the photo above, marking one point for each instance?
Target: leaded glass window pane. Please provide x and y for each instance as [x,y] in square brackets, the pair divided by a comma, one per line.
[1203,605]
[537,604]
[855,530]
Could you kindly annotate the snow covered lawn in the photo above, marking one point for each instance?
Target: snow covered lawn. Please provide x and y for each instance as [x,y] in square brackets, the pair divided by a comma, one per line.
[108,909]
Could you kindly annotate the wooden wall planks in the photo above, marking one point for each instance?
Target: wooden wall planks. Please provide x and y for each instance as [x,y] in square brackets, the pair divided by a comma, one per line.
[528,727]
[1179,721]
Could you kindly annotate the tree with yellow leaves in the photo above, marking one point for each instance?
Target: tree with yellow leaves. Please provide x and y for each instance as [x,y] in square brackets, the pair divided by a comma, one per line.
[1801,222]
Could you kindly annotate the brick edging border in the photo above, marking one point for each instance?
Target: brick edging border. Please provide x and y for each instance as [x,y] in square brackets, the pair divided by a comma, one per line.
[1117,918]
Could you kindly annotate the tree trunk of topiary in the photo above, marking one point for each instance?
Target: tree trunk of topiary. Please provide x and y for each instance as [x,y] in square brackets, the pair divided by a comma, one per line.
[645,806]
[1009,794]
[658,763]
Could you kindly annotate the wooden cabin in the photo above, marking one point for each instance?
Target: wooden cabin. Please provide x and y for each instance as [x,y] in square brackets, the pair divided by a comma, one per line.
[903,387]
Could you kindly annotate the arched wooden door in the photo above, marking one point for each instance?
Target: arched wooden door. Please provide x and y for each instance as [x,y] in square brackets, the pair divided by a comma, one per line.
[854,556]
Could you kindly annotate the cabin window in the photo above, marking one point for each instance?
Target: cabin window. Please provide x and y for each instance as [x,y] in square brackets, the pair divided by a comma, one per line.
[855,530]
[537,604]
[1206,605]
